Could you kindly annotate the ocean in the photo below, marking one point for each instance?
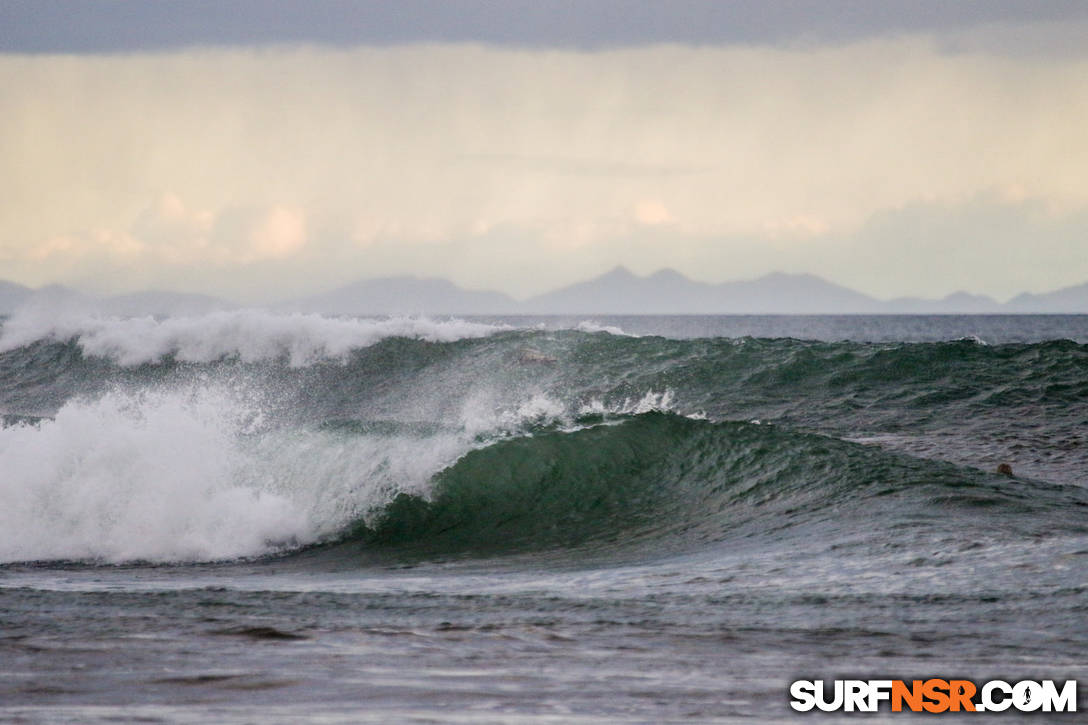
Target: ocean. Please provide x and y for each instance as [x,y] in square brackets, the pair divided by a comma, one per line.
[252,517]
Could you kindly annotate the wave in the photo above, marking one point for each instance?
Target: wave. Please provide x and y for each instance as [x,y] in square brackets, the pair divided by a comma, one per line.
[666,483]
[320,369]
[154,477]
[959,369]
[202,475]
[247,335]
[245,434]
[594,326]
[196,474]
[216,468]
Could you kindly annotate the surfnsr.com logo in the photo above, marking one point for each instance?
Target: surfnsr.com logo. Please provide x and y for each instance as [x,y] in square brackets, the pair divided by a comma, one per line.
[933,695]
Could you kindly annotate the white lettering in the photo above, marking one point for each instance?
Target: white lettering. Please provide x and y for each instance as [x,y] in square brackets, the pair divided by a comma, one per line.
[856,695]
[803,693]
[1027,696]
[821,697]
[879,690]
[992,705]
[1064,701]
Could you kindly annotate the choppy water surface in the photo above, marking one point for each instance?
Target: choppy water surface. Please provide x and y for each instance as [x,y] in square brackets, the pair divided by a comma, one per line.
[248,517]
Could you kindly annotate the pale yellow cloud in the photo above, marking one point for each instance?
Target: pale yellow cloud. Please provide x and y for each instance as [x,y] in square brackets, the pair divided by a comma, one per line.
[373,229]
[797,227]
[277,153]
[174,233]
[70,248]
[280,233]
[168,233]
[652,213]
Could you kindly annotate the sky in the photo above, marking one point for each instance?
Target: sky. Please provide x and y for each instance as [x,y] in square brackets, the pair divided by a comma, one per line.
[261,149]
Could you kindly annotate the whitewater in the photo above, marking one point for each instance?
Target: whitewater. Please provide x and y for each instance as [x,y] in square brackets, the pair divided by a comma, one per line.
[256,516]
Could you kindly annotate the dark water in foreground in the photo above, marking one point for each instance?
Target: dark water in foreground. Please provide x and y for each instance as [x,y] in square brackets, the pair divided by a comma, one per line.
[247,517]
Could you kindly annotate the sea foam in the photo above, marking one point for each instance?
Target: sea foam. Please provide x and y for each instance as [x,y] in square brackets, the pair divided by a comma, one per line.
[153,476]
[197,473]
[210,470]
[248,335]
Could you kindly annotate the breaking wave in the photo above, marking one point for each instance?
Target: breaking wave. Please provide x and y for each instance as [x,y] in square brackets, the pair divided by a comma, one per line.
[247,434]
[248,335]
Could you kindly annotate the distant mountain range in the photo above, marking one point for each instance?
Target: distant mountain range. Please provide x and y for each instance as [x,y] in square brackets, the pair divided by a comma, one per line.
[404,295]
[620,292]
[669,292]
[616,292]
[13,296]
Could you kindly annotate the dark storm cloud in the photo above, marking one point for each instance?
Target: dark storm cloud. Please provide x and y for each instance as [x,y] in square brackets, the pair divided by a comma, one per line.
[82,26]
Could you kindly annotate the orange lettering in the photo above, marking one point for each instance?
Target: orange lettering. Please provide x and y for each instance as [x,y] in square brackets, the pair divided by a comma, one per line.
[912,695]
[937,692]
[961,692]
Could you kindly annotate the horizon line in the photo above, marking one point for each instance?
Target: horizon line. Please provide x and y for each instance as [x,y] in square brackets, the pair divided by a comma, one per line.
[618,268]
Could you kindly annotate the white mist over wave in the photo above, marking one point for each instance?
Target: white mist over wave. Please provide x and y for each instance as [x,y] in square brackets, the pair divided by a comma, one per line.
[210,466]
[651,402]
[151,476]
[202,471]
[249,335]
[542,409]
[593,327]
[195,474]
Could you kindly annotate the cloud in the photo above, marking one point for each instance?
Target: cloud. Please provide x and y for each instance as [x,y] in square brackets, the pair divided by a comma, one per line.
[796,227]
[652,213]
[244,235]
[1015,245]
[172,232]
[121,25]
[70,248]
[168,236]
[352,161]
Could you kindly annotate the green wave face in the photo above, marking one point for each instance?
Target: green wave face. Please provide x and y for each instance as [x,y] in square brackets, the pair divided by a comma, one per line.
[660,482]
[805,382]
